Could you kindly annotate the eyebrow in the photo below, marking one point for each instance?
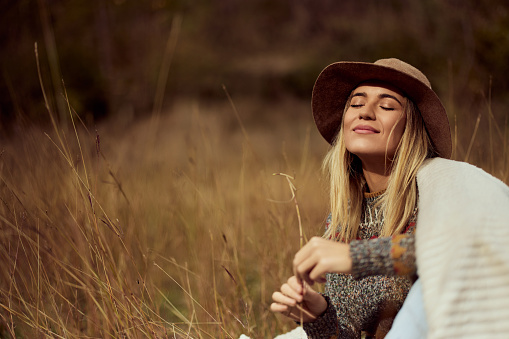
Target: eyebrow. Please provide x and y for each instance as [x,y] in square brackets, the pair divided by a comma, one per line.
[380,96]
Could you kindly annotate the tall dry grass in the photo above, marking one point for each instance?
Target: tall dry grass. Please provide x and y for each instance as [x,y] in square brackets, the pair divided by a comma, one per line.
[165,228]
[170,227]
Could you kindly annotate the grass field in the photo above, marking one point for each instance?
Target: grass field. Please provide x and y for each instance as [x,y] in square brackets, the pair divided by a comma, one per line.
[173,226]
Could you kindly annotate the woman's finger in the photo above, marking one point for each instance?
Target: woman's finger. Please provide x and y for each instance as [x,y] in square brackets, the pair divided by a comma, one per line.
[279,308]
[296,285]
[283,299]
[303,270]
[293,313]
[306,250]
[318,271]
[288,311]
[321,279]
[291,293]
[320,256]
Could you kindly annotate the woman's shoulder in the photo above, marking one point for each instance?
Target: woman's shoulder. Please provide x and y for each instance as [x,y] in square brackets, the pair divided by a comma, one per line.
[448,185]
[442,164]
[451,173]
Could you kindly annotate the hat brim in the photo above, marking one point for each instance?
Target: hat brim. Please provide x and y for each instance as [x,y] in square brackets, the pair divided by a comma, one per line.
[335,83]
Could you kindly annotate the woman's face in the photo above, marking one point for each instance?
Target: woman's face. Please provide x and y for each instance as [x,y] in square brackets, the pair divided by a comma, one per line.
[376,109]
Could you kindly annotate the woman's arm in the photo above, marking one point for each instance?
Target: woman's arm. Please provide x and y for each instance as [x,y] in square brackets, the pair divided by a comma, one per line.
[387,256]
[299,302]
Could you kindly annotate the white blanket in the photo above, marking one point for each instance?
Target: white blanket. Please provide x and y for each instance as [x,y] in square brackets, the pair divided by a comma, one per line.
[462,250]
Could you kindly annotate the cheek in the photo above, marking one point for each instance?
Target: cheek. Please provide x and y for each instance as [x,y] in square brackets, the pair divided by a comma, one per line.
[346,126]
[348,117]
[399,129]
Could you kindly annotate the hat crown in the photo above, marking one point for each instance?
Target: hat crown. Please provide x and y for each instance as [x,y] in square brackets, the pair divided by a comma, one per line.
[403,67]
[335,83]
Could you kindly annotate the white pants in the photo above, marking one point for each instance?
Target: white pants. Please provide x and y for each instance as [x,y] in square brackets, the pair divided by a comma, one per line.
[410,323]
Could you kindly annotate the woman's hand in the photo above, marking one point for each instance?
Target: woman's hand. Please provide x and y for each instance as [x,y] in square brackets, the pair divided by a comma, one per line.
[320,256]
[296,300]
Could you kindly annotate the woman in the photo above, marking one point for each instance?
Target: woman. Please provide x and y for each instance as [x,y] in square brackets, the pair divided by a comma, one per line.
[384,121]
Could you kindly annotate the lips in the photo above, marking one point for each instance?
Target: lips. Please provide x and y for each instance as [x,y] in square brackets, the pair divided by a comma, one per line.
[365,129]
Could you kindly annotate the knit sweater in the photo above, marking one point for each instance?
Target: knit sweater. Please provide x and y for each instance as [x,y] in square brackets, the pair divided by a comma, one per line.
[462,250]
[369,298]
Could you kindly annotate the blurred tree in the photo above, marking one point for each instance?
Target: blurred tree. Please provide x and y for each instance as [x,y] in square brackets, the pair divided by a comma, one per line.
[111,52]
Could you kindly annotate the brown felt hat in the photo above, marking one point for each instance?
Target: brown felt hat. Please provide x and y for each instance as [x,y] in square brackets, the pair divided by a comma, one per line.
[338,80]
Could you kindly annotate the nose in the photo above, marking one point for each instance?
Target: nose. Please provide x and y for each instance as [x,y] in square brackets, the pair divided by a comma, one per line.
[367,113]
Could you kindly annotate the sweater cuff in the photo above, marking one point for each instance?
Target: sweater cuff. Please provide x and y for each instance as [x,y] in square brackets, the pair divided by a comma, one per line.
[371,257]
[326,325]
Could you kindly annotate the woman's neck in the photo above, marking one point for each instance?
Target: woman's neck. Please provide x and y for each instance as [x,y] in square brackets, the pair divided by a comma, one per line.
[376,176]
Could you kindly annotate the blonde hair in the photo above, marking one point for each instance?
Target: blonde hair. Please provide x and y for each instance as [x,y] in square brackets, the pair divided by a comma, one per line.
[344,171]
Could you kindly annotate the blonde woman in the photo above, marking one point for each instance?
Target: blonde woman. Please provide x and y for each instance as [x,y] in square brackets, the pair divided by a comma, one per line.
[384,121]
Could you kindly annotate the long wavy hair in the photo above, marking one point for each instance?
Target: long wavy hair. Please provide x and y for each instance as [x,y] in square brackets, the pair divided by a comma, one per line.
[347,183]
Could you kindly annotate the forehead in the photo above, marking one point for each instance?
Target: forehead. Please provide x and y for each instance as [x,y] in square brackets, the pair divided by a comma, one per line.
[378,87]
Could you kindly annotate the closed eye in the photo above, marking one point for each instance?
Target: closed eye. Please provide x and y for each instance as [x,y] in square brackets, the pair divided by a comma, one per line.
[356,105]
[387,108]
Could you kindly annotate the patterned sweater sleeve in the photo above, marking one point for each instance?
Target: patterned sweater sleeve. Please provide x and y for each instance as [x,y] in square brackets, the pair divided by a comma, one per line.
[387,256]
[327,326]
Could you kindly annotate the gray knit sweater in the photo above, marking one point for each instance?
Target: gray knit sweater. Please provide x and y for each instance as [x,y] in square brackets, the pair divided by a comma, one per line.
[368,299]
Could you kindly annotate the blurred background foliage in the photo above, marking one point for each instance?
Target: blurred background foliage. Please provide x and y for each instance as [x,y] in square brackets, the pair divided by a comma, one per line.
[128,58]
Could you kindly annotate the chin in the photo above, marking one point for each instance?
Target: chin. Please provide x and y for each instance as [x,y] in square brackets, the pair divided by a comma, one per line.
[370,154]
[365,147]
